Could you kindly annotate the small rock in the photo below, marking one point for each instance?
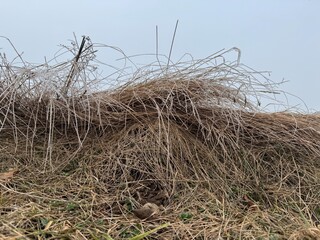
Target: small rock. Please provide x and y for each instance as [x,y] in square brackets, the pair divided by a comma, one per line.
[148,210]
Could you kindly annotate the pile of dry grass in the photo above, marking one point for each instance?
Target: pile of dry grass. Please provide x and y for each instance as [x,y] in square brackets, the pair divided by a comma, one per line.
[75,161]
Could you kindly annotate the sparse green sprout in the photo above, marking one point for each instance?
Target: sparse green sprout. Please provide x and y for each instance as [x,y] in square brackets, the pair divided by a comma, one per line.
[71,206]
[43,222]
[185,216]
[129,205]
[130,232]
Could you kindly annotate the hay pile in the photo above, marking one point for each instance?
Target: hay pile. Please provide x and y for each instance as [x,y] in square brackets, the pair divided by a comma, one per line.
[75,162]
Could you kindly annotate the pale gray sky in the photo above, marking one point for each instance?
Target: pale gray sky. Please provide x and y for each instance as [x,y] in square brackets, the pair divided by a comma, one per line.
[281,36]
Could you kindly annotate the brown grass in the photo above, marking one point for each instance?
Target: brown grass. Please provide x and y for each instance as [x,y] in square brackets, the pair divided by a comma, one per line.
[189,137]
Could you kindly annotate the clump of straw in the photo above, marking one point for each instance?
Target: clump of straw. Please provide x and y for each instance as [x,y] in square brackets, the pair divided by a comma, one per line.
[191,137]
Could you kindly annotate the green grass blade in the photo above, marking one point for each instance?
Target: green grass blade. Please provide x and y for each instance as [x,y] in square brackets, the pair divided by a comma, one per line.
[143,235]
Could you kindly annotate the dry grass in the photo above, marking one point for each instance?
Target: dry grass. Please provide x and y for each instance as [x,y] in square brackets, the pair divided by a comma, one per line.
[75,161]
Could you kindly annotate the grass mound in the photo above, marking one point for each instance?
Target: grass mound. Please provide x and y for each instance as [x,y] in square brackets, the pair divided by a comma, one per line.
[189,139]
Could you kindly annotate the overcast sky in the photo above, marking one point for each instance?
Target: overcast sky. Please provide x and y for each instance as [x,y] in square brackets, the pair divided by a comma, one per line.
[281,36]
